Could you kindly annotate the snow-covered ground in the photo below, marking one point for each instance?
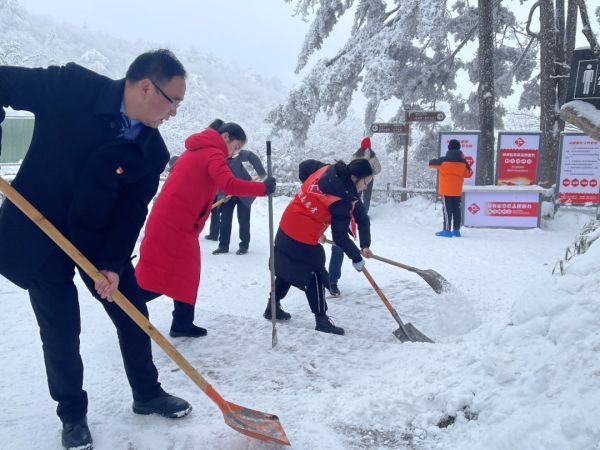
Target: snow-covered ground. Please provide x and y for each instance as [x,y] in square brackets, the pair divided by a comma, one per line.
[515,364]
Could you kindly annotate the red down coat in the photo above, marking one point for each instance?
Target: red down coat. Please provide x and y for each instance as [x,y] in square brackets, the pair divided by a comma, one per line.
[170,252]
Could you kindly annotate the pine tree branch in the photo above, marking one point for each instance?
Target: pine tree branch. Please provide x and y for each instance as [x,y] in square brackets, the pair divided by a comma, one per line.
[586,29]
[530,18]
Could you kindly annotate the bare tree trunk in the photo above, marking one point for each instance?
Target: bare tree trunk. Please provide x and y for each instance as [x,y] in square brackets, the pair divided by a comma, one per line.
[562,73]
[548,96]
[486,95]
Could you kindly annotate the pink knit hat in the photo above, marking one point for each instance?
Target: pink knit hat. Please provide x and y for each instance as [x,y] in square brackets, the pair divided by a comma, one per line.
[365,143]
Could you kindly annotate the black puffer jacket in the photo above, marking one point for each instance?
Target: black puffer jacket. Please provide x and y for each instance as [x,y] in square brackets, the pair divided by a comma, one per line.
[336,181]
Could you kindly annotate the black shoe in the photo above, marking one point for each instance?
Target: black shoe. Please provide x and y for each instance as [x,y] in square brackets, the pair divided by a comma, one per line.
[190,332]
[166,405]
[220,250]
[76,435]
[334,291]
[325,325]
[208,237]
[241,251]
[280,314]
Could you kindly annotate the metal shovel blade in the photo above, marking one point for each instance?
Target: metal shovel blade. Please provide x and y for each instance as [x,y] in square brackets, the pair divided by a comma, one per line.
[411,334]
[256,424]
[437,282]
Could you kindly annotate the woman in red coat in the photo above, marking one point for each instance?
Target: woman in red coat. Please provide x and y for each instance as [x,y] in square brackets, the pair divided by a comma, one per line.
[170,252]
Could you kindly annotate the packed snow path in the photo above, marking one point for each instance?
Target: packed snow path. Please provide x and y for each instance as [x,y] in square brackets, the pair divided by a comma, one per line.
[514,364]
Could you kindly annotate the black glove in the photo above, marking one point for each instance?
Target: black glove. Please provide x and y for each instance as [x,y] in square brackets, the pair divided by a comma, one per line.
[270,185]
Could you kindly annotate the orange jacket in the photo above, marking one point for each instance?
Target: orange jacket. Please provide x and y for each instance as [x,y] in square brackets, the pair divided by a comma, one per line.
[451,175]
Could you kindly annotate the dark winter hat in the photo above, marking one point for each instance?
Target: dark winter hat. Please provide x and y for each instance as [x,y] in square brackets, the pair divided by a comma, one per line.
[360,168]
[453,145]
[365,143]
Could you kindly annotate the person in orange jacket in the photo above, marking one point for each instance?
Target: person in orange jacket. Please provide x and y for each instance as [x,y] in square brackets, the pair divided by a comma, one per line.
[452,171]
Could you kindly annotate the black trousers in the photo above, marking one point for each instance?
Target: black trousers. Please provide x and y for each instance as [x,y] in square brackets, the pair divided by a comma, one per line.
[215,221]
[243,215]
[55,303]
[452,217]
[315,293]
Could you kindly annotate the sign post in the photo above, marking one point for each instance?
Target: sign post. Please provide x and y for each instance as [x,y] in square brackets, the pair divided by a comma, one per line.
[579,170]
[584,82]
[582,104]
[402,130]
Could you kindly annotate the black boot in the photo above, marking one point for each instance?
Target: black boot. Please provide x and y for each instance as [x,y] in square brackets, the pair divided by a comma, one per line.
[241,251]
[220,251]
[280,314]
[194,331]
[165,404]
[182,326]
[325,325]
[76,435]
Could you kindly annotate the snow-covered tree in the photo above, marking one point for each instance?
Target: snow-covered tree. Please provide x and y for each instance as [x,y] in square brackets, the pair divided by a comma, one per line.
[409,51]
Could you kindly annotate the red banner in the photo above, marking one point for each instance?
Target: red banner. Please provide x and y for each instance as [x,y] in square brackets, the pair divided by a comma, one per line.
[578,198]
[514,209]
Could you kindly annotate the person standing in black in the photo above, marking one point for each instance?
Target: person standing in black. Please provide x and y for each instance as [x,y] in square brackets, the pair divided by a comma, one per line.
[92,168]
[244,204]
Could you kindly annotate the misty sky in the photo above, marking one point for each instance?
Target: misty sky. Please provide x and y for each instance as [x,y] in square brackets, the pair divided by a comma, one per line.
[258,34]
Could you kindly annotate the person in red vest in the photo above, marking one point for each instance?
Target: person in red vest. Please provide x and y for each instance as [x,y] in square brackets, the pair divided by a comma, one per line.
[170,252]
[328,195]
[453,169]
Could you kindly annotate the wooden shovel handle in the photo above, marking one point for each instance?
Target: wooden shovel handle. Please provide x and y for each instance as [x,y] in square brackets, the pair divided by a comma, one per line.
[385,260]
[59,239]
[395,263]
[383,298]
[228,197]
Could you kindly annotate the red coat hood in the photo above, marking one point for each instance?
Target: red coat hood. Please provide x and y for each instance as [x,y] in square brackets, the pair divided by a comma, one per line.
[208,138]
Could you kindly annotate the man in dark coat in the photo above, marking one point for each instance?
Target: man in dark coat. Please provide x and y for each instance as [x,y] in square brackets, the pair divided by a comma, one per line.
[244,204]
[91,169]
[328,195]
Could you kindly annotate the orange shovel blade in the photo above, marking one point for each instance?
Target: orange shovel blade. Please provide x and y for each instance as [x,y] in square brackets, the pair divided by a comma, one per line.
[256,424]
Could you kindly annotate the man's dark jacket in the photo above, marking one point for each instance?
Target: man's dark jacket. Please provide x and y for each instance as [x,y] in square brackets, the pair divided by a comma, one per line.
[93,186]
[239,171]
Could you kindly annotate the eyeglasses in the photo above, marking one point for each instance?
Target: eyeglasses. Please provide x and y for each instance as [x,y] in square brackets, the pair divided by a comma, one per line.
[174,103]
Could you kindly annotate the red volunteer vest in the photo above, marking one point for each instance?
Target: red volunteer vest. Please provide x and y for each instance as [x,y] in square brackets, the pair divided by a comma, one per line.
[307,216]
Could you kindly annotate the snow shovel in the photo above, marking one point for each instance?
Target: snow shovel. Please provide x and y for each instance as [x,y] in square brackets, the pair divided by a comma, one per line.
[437,282]
[228,197]
[255,424]
[272,256]
[407,331]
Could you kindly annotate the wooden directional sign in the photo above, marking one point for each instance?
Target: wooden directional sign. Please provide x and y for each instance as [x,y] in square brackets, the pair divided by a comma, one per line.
[425,116]
[383,127]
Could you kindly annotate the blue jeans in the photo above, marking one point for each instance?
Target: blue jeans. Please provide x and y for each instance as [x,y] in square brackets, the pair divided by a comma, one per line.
[335,264]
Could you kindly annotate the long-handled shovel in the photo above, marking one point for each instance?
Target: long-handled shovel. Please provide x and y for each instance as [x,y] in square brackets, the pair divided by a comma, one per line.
[437,282]
[271,255]
[407,331]
[228,197]
[256,424]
